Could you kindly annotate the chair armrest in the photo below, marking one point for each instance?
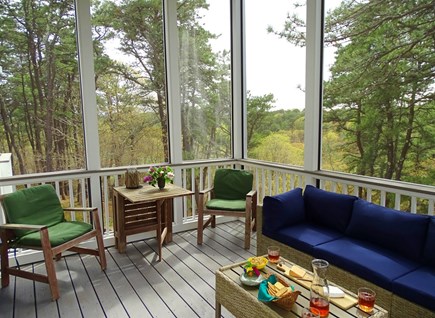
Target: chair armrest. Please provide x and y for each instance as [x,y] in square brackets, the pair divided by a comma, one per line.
[14,226]
[251,193]
[206,190]
[204,195]
[90,209]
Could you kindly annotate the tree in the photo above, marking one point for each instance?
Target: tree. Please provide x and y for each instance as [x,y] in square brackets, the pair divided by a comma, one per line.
[138,25]
[39,92]
[205,88]
[382,85]
[258,110]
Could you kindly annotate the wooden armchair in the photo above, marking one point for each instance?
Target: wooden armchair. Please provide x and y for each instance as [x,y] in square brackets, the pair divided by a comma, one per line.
[35,220]
[231,195]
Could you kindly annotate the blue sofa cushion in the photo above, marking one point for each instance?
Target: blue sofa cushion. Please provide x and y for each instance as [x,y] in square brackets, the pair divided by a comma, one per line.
[368,261]
[418,287]
[282,210]
[326,208]
[304,236]
[429,250]
[397,231]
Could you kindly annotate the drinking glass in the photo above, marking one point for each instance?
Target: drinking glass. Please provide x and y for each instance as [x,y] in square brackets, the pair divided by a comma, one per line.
[366,299]
[273,254]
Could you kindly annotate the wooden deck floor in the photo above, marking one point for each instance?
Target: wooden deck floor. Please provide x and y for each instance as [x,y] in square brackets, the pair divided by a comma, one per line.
[134,284]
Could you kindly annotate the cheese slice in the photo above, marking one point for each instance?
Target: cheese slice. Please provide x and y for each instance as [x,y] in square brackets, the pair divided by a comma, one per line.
[296,271]
[279,285]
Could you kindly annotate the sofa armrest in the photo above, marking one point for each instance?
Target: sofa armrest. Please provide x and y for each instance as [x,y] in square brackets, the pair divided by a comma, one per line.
[283,210]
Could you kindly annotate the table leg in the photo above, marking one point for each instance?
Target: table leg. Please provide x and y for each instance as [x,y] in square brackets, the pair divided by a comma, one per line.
[159,227]
[122,239]
[115,218]
[168,220]
[218,309]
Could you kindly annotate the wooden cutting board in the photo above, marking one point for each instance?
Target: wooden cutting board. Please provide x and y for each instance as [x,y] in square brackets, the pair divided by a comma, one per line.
[305,280]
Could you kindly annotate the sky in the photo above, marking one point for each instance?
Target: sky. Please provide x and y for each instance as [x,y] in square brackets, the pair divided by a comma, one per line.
[273,65]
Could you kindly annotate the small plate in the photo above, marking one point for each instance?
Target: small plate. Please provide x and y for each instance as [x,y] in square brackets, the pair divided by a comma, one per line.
[251,280]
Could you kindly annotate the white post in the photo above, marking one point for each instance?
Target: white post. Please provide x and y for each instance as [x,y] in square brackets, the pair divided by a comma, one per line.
[5,171]
[173,97]
[239,108]
[313,84]
[89,100]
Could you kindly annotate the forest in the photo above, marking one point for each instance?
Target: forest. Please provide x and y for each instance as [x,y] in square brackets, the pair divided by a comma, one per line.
[378,105]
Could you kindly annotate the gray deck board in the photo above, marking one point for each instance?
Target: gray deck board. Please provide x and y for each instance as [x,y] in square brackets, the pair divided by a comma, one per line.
[123,274]
[107,295]
[84,289]
[134,284]
[68,302]
[25,296]
[45,306]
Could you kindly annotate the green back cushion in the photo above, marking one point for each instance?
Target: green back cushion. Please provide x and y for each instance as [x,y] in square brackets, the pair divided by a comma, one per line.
[230,184]
[38,205]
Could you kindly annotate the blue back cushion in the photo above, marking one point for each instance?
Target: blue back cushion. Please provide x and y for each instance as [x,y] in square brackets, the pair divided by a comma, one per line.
[329,209]
[282,210]
[429,250]
[398,231]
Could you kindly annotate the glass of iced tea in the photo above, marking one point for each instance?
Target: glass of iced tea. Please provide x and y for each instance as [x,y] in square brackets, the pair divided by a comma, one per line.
[366,299]
[273,254]
[310,313]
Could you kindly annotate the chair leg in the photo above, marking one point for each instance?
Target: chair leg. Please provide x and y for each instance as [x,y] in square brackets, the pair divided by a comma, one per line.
[248,230]
[200,230]
[49,264]
[213,221]
[4,260]
[248,222]
[254,213]
[100,243]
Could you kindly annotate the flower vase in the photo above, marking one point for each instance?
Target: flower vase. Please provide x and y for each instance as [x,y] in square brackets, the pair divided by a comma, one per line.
[161,182]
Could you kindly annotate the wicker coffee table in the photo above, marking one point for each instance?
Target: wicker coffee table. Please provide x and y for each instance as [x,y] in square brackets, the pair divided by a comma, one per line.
[242,300]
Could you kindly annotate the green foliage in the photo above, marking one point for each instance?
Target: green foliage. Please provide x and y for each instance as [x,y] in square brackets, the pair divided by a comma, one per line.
[39,93]
[266,128]
[379,100]
[278,147]
[382,85]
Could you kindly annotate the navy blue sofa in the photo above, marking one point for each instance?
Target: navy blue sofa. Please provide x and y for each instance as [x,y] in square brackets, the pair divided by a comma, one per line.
[366,244]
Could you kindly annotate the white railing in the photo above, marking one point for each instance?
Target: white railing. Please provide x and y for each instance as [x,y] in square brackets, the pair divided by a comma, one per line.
[274,178]
[269,179]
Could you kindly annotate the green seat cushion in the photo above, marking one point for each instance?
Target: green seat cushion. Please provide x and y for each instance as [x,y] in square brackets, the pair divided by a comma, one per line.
[37,205]
[59,233]
[232,184]
[231,205]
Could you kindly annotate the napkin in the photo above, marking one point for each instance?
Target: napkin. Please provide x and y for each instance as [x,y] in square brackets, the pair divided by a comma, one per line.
[263,295]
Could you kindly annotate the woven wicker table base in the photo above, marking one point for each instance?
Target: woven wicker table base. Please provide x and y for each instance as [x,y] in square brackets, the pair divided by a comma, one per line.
[242,300]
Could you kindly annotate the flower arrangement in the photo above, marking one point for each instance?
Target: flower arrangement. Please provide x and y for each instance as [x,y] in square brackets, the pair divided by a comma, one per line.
[254,264]
[154,173]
